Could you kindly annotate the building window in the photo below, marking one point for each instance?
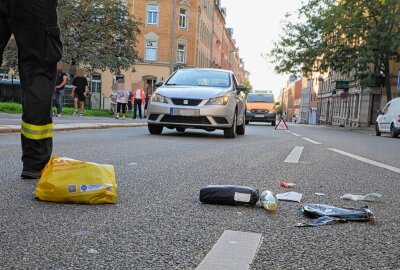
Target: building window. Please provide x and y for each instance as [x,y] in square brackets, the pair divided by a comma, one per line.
[183,14]
[151,51]
[152,14]
[95,83]
[181,54]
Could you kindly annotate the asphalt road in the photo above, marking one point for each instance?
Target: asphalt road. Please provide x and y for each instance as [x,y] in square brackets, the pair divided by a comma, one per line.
[159,223]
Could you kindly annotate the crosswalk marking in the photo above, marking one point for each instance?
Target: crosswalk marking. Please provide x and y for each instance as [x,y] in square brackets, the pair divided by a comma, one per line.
[233,250]
[294,156]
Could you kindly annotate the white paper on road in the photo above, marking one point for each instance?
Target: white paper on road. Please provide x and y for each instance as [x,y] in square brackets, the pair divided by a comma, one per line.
[290,196]
[372,197]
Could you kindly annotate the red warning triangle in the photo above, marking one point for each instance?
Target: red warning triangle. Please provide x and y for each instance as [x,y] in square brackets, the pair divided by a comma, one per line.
[281,125]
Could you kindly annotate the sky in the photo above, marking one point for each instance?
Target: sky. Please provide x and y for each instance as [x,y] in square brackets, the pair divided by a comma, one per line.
[256,24]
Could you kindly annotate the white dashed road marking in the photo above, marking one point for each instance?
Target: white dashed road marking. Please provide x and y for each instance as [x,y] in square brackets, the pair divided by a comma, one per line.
[294,156]
[233,250]
[378,164]
[311,141]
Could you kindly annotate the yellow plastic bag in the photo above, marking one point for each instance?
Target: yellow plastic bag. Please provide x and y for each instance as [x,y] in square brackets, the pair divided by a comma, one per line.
[73,181]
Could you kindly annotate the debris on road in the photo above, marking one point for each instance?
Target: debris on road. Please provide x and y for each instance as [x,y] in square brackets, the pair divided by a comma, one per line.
[229,195]
[287,185]
[371,197]
[324,220]
[290,196]
[268,201]
[347,214]
[73,181]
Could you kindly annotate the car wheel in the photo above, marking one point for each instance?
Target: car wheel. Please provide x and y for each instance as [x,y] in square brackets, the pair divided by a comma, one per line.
[377,132]
[231,132]
[247,122]
[154,129]
[242,128]
[273,123]
[180,129]
[393,132]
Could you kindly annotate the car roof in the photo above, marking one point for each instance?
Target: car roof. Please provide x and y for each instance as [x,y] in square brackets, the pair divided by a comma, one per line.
[206,69]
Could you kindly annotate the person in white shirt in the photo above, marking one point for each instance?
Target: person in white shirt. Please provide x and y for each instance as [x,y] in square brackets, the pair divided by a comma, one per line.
[122,101]
[138,100]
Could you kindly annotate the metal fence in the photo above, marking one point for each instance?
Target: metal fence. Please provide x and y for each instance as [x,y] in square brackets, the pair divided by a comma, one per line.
[10,91]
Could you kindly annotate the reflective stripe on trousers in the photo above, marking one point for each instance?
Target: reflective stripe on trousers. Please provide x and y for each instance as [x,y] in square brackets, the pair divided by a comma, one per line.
[36,132]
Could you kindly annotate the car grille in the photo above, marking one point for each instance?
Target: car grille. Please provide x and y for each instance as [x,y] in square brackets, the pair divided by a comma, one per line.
[259,111]
[185,119]
[221,120]
[190,102]
[153,117]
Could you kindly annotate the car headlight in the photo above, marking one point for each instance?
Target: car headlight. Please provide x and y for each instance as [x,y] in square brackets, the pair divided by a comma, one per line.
[158,98]
[272,111]
[248,111]
[218,100]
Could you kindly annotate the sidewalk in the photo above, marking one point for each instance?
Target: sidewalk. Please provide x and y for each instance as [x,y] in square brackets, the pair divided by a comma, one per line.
[10,123]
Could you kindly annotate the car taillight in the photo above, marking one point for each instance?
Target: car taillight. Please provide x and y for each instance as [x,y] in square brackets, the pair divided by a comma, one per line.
[398,118]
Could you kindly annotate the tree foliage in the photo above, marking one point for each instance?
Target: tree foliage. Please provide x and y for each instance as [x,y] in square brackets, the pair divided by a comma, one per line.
[96,34]
[358,37]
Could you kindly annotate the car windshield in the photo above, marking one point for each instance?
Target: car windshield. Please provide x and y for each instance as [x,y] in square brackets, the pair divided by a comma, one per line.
[209,78]
[261,98]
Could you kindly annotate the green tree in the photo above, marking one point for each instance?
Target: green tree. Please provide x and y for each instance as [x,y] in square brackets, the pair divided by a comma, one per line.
[248,85]
[357,37]
[96,34]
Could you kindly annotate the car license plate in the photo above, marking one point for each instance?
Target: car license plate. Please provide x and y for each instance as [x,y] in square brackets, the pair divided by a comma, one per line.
[259,116]
[189,112]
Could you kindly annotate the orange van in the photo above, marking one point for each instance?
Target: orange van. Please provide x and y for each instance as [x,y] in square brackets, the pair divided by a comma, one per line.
[260,108]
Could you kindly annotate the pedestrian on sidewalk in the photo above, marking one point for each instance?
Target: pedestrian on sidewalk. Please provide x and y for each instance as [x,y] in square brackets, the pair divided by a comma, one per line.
[80,90]
[35,27]
[138,100]
[113,103]
[122,101]
[58,95]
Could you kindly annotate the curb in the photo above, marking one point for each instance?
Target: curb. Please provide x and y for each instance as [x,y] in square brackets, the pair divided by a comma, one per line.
[67,127]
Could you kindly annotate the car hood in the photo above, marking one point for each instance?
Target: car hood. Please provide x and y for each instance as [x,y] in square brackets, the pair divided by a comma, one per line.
[191,92]
[260,106]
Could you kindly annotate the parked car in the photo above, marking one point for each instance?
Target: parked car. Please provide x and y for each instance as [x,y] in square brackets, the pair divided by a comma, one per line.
[198,98]
[388,119]
[260,108]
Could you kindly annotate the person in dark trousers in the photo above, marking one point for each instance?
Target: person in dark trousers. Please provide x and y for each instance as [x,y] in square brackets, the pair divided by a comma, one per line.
[138,100]
[37,33]
[58,95]
[80,91]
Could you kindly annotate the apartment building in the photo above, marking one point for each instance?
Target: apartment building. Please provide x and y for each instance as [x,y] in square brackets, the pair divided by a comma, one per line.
[178,34]
[344,102]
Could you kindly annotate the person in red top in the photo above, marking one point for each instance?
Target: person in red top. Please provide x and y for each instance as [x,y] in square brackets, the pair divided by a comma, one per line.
[138,98]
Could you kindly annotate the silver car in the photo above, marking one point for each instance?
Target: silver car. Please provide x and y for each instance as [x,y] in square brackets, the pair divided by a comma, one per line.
[206,99]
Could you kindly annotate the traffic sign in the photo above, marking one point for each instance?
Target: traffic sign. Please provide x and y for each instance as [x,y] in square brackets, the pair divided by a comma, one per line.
[281,125]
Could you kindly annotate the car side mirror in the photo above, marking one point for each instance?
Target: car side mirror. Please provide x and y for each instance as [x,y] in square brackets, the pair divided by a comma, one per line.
[158,84]
[379,111]
[241,87]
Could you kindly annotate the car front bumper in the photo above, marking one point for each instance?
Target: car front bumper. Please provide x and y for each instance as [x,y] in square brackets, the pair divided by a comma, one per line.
[260,117]
[203,117]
